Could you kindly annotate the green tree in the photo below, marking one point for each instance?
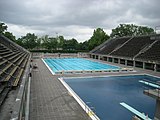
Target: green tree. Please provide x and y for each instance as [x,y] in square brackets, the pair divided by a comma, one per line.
[3,28]
[10,36]
[20,42]
[29,41]
[74,44]
[49,43]
[60,44]
[39,43]
[45,41]
[98,37]
[84,46]
[53,43]
[145,30]
[130,30]
[71,44]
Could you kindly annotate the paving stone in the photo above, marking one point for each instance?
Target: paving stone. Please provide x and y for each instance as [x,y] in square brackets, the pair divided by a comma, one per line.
[49,100]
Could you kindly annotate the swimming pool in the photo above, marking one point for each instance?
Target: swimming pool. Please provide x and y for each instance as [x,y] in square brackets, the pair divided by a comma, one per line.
[58,65]
[106,93]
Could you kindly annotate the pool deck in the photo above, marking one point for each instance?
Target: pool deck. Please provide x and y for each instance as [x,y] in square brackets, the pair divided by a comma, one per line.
[49,99]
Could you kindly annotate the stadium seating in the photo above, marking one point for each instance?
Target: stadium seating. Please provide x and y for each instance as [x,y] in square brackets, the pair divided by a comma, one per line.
[152,54]
[133,47]
[143,48]
[13,60]
[108,47]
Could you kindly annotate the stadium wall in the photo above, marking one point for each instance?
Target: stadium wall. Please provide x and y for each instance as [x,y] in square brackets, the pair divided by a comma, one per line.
[149,65]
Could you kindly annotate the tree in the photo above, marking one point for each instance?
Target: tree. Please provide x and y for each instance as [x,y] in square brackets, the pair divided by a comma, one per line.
[145,30]
[84,46]
[130,30]
[98,37]
[60,44]
[49,43]
[20,42]
[10,36]
[71,44]
[39,43]
[45,41]
[53,43]
[29,41]
[3,28]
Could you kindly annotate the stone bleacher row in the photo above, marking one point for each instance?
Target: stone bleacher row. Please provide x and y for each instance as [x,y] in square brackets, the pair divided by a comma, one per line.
[111,45]
[140,48]
[12,64]
[133,47]
[152,54]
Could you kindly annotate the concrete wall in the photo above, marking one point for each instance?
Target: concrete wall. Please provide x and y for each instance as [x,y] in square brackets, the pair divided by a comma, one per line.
[128,62]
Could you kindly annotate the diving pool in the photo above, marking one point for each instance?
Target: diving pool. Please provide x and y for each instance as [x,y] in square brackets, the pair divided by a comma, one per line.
[105,94]
[76,64]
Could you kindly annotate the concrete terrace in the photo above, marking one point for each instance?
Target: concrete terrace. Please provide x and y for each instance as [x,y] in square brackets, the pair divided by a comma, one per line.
[49,99]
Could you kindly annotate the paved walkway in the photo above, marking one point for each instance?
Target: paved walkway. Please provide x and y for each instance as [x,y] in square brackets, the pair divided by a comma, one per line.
[49,100]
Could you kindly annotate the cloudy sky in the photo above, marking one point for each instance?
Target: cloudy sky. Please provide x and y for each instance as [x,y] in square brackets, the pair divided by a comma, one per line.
[76,18]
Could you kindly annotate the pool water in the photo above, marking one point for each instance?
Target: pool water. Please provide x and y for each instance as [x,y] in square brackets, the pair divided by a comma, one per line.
[71,64]
[106,93]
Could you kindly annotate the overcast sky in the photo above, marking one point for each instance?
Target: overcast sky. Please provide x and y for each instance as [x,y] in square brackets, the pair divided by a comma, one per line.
[76,18]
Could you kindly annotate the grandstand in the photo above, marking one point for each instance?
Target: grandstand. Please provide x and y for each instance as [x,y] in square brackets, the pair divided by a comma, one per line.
[108,47]
[13,61]
[138,51]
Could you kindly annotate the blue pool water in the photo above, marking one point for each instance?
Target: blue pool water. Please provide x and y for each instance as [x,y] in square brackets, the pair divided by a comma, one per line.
[105,94]
[71,64]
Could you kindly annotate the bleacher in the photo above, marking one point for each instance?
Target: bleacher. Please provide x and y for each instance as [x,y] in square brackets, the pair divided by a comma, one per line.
[152,54]
[133,47]
[145,48]
[111,45]
[13,60]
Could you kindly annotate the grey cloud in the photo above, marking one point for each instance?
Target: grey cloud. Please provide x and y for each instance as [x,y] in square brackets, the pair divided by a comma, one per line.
[49,16]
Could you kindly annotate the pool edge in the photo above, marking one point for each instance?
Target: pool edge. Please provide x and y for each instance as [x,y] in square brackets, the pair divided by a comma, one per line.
[84,106]
[48,66]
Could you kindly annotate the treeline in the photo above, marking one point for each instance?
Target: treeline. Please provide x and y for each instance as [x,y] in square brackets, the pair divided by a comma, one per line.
[59,44]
